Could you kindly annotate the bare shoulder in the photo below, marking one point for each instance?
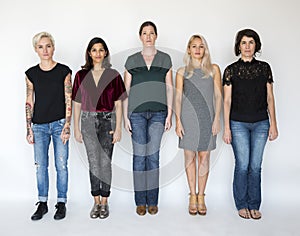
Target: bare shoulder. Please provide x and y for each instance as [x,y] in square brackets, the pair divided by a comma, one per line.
[216,67]
[216,70]
[181,70]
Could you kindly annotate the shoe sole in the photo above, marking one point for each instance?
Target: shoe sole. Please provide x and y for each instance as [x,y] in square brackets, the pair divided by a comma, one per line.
[254,218]
[192,213]
[103,217]
[33,219]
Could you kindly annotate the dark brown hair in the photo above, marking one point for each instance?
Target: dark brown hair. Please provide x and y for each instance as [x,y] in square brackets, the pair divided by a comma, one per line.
[88,60]
[248,33]
[147,23]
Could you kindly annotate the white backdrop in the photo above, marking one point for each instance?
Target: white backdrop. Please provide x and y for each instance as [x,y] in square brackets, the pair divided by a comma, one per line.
[74,23]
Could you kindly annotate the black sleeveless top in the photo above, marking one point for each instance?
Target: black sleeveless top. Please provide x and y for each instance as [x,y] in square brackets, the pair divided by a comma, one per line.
[49,93]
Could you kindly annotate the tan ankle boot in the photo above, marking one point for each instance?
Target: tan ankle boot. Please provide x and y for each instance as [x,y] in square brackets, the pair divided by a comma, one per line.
[193,204]
[201,205]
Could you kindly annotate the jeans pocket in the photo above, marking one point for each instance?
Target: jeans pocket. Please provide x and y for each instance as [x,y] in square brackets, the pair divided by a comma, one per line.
[84,116]
[62,122]
[108,116]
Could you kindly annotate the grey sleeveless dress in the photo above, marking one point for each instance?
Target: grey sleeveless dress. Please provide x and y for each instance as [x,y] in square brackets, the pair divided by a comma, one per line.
[197,113]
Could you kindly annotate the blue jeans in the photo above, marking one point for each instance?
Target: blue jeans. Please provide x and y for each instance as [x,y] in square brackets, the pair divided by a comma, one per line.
[248,143]
[42,137]
[147,131]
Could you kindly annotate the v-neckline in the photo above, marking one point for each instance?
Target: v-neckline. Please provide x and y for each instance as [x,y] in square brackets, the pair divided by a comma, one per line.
[145,64]
[96,85]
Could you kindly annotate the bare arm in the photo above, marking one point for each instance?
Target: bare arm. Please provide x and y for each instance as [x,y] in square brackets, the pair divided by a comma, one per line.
[127,83]
[218,99]
[273,132]
[29,110]
[117,133]
[178,102]
[65,134]
[76,116]
[227,106]
[169,91]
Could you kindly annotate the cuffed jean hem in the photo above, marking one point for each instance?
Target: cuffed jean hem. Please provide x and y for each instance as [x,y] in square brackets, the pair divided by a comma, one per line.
[100,193]
[64,200]
[43,199]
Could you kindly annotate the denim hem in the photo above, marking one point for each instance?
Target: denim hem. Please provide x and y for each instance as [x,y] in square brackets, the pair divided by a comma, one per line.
[43,199]
[95,193]
[60,199]
[100,193]
[104,193]
[254,207]
[243,207]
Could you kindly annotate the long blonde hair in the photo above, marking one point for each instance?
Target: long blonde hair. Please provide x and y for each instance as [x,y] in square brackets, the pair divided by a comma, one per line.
[206,64]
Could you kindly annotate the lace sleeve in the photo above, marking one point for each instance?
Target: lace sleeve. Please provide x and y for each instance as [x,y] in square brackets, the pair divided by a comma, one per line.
[227,77]
[268,73]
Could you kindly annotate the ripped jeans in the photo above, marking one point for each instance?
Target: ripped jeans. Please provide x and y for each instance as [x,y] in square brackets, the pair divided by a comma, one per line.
[42,137]
[95,129]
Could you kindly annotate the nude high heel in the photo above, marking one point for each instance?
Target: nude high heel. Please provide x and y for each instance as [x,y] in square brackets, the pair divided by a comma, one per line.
[201,205]
[193,204]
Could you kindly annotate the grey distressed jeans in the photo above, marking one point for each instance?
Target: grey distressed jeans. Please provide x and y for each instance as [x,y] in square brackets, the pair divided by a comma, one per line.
[95,128]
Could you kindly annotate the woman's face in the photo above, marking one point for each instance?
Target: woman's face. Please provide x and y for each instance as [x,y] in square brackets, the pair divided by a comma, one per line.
[148,36]
[196,49]
[44,48]
[97,53]
[247,47]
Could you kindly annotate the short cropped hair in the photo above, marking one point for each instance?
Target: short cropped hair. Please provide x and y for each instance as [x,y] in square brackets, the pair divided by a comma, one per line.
[40,35]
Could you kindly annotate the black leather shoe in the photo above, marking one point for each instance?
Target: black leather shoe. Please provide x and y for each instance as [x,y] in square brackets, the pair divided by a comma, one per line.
[41,210]
[60,211]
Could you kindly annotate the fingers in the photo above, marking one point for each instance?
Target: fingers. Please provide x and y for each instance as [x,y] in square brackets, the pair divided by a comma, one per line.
[272,136]
[179,135]
[227,139]
[116,139]
[168,126]
[128,129]
[65,139]
[29,139]
[78,139]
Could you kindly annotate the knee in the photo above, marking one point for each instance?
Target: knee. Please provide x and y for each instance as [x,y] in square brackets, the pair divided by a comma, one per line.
[139,163]
[61,164]
[241,167]
[255,169]
[105,164]
[153,161]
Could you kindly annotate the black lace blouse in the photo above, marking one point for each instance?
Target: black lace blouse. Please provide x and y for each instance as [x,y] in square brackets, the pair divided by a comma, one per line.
[249,89]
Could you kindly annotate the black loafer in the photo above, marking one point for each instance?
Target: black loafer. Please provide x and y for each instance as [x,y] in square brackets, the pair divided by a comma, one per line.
[41,211]
[60,211]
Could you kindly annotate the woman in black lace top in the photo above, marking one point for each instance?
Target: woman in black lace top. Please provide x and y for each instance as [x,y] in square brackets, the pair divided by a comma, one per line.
[249,119]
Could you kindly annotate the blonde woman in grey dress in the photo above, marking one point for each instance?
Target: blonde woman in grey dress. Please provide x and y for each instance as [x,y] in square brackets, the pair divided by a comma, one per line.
[197,104]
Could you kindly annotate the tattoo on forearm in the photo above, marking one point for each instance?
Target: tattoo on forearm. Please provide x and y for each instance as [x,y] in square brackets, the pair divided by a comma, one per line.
[28,109]
[68,100]
[67,130]
[68,119]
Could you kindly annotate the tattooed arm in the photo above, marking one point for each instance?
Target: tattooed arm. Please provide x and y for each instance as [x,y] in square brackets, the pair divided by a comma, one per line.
[65,134]
[29,110]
